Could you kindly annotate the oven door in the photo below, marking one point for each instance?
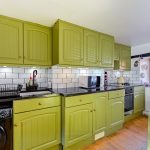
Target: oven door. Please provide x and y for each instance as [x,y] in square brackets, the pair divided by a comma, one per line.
[3,137]
[129,103]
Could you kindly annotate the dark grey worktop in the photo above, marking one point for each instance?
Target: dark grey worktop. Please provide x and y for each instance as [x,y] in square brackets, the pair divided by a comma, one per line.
[80,91]
[69,92]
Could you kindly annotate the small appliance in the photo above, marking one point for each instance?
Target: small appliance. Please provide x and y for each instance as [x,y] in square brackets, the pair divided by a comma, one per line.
[89,82]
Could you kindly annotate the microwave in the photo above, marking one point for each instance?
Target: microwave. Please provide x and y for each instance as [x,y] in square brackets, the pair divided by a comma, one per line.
[89,81]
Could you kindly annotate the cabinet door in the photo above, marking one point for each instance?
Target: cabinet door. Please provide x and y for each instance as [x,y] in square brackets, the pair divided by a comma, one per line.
[117,52]
[115,112]
[100,112]
[91,47]
[70,44]
[107,50]
[139,102]
[78,124]
[11,41]
[37,45]
[125,58]
[38,129]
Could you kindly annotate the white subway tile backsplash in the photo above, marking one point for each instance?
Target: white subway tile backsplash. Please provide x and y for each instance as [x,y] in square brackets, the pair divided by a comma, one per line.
[18,81]
[2,75]
[67,80]
[6,81]
[24,76]
[5,70]
[66,70]
[18,70]
[62,76]
[12,75]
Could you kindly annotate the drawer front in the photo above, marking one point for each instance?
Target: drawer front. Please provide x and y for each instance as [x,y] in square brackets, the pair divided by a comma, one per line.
[82,99]
[79,100]
[35,103]
[139,89]
[117,93]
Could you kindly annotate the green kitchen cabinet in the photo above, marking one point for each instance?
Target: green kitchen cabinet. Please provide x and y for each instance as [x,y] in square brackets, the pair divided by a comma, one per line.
[37,45]
[37,126]
[139,99]
[117,52]
[11,41]
[91,48]
[125,58]
[115,114]
[78,121]
[67,44]
[100,113]
[122,57]
[106,51]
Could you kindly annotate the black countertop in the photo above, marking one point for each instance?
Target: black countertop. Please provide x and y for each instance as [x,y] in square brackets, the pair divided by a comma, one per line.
[68,92]
[81,91]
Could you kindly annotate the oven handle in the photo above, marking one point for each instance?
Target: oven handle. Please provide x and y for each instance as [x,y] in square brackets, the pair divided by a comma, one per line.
[4,133]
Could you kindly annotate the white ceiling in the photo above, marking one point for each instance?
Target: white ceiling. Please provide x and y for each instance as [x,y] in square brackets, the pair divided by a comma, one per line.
[127,20]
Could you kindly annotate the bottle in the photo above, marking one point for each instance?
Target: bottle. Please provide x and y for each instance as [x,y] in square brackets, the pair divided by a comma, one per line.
[30,83]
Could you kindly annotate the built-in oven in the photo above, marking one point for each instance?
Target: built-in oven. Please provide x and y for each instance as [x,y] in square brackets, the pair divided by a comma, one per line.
[129,100]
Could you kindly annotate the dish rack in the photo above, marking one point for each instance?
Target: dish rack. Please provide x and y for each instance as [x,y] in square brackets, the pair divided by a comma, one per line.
[10,90]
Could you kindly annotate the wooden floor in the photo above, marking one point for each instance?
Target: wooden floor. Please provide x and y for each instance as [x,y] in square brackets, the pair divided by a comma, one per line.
[132,137]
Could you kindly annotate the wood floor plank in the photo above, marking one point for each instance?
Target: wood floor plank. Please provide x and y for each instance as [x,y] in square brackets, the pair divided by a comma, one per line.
[133,136]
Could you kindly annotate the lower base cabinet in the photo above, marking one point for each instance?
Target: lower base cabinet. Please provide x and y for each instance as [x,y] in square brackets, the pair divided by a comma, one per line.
[37,129]
[139,99]
[115,112]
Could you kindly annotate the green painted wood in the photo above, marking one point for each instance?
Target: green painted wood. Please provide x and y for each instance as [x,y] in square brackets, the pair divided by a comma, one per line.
[68,44]
[11,41]
[125,58]
[91,48]
[39,129]
[107,50]
[115,114]
[139,102]
[100,112]
[117,52]
[37,45]
[78,124]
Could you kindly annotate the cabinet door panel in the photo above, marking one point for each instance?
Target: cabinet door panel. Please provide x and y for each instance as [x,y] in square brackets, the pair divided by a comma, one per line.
[71,44]
[107,51]
[91,48]
[100,112]
[139,102]
[117,52]
[11,41]
[78,124]
[116,112]
[37,129]
[37,45]
[125,58]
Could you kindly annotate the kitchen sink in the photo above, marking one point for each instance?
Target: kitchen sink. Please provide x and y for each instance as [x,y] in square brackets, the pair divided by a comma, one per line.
[36,93]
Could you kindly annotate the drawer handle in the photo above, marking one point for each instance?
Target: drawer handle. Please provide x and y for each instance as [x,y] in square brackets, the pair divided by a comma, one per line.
[40,103]
[80,100]
[94,110]
[15,125]
[91,110]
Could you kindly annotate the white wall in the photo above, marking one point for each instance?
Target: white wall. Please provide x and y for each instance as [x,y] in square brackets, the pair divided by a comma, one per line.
[140,49]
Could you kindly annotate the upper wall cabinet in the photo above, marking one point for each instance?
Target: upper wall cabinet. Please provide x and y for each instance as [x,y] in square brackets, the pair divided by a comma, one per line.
[78,46]
[37,45]
[91,48]
[122,57]
[67,44]
[106,50]
[116,52]
[11,41]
